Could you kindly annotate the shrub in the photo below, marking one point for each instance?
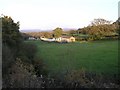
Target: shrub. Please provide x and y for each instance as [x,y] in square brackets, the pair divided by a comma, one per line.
[19,75]
[40,67]
[27,52]
[77,78]
[7,58]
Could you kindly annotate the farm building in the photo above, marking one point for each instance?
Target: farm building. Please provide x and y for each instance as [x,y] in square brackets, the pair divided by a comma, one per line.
[47,39]
[33,38]
[60,39]
[65,39]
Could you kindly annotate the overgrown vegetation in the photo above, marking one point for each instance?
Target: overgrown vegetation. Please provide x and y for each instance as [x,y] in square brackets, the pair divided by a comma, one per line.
[11,40]
[17,55]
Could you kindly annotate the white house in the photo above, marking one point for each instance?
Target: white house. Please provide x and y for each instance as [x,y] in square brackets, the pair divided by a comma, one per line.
[31,38]
[65,39]
[47,39]
[60,39]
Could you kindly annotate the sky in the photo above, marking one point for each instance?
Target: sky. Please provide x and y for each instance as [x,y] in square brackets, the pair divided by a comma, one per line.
[49,14]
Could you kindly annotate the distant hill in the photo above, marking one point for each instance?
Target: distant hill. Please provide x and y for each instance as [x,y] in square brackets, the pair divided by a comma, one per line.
[33,30]
[67,29]
[30,30]
[39,30]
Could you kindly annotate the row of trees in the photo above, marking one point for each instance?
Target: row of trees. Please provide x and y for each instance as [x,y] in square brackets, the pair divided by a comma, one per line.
[98,29]
[57,32]
[101,28]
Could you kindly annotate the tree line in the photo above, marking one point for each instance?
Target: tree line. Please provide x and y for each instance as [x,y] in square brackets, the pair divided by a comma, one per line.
[98,29]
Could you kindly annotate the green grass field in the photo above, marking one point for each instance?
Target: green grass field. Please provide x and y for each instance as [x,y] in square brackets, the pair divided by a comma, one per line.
[97,56]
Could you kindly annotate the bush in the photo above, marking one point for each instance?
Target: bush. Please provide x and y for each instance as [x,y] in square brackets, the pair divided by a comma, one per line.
[77,78]
[7,58]
[19,75]
[27,52]
[40,67]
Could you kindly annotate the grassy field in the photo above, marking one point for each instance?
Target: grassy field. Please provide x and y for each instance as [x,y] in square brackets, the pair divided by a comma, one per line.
[97,56]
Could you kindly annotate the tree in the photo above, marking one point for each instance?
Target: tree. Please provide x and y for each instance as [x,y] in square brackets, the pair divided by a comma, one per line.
[10,32]
[7,59]
[99,21]
[57,32]
[11,39]
[117,25]
[101,28]
[72,32]
[47,34]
